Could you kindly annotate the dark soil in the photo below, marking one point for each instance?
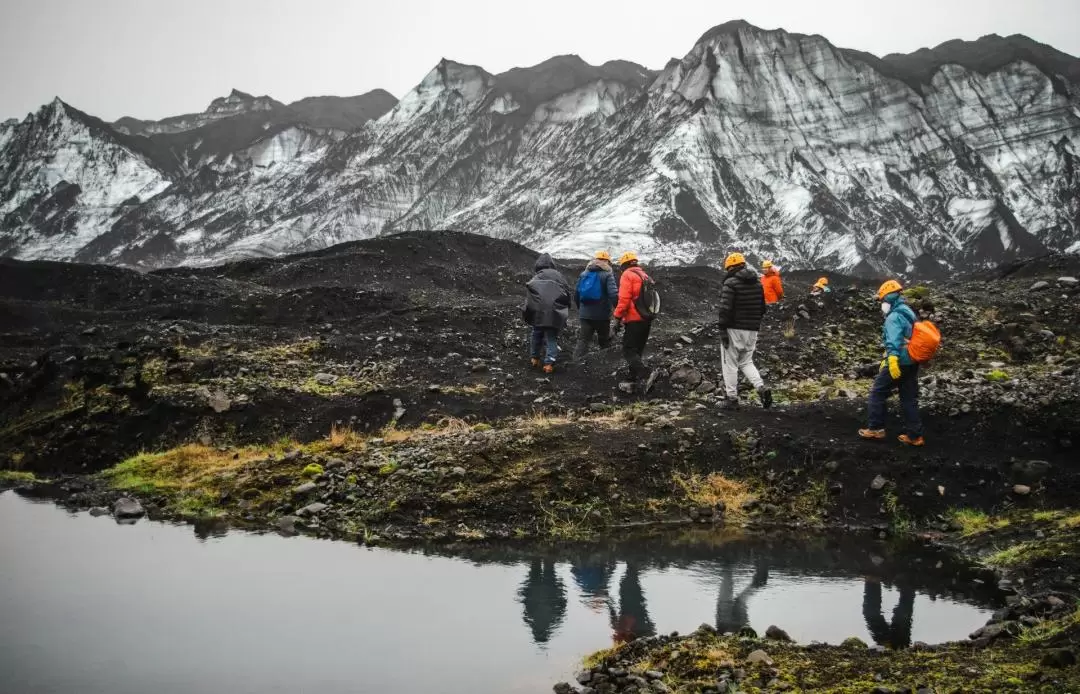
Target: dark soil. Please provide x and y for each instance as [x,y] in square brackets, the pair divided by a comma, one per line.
[393,375]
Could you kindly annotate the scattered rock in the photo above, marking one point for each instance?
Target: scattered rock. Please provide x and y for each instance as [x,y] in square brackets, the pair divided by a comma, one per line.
[854,643]
[564,688]
[312,509]
[325,379]
[687,339]
[759,656]
[584,677]
[1068,281]
[627,387]
[1021,490]
[99,511]
[459,471]
[287,525]
[1062,657]
[1039,286]
[878,483]
[1029,471]
[775,633]
[305,488]
[127,507]
[706,387]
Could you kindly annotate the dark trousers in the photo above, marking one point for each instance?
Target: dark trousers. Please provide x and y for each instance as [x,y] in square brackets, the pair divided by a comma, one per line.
[635,335]
[586,330]
[908,385]
[544,344]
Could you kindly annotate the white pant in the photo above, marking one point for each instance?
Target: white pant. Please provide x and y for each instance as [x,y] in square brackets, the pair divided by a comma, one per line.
[739,355]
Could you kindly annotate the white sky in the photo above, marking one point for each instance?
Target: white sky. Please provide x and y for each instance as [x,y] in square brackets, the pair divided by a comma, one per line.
[155,58]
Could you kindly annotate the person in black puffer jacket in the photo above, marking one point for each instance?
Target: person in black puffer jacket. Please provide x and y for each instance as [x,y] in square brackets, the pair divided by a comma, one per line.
[742,306]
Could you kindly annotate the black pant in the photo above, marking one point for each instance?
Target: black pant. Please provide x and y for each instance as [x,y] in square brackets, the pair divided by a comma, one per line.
[635,335]
[586,329]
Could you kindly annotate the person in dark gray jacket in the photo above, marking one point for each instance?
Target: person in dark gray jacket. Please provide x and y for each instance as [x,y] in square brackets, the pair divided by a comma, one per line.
[547,306]
[601,293]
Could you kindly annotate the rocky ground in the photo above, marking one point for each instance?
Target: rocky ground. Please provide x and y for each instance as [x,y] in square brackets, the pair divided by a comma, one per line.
[381,391]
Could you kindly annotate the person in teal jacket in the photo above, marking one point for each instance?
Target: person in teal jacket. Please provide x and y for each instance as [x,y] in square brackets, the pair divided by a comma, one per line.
[898,371]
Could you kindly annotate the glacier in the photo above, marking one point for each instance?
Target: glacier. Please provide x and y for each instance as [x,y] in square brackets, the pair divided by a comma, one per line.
[777,144]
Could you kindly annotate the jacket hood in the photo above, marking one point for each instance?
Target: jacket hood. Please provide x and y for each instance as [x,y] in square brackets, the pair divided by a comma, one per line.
[544,262]
[895,299]
[744,274]
[597,264]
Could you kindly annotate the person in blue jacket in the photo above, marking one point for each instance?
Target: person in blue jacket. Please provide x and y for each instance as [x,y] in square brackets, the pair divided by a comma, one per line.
[594,310]
[898,371]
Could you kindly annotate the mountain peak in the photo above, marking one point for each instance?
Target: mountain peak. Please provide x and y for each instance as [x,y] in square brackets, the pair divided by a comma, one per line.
[732,27]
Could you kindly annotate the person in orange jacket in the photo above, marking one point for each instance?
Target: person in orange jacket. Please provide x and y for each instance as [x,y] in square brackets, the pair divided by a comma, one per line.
[770,282]
[636,327]
[820,287]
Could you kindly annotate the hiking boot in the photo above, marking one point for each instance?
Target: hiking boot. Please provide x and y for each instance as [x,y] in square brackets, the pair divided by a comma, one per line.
[729,403]
[651,380]
[535,362]
[766,397]
[549,368]
[874,434]
[911,440]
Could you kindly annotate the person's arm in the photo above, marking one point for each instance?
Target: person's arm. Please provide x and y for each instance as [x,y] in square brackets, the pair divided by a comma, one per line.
[626,293]
[894,342]
[611,290]
[779,288]
[727,300]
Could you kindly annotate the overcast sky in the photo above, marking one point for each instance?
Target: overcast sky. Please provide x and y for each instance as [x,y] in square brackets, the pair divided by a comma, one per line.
[155,58]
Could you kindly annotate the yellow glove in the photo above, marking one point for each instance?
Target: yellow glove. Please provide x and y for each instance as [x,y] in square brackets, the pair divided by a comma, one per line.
[884,364]
[894,367]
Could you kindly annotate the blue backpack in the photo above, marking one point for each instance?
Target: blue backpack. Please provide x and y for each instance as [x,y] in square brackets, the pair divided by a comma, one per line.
[589,287]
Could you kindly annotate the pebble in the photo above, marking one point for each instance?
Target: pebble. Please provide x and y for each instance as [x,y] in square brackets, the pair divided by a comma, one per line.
[127,507]
[99,511]
[325,379]
[1068,281]
[1039,286]
[878,483]
[305,488]
[1021,490]
[312,509]
[759,656]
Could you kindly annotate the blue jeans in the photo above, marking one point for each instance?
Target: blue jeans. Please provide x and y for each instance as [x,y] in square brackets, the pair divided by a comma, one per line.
[537,340]
[908,385]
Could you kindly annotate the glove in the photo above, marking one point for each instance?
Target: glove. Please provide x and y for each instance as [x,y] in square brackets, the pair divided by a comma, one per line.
[894,367]
[725,339]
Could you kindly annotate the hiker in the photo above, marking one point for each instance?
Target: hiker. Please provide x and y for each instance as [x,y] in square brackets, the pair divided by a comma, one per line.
[636,327]
[820,287]
[770,282]
[595,296]
[742,305]
[547,306]
[898,370]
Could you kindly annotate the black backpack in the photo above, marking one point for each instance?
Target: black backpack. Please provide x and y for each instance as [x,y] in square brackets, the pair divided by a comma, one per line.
[648,301]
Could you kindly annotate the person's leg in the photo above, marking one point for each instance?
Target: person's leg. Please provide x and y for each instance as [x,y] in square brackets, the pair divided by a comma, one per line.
[729,366]
[602,328]
[909,400]
[585,335]
[536,342]
[746,340]
[879,393]
[551,337]
[634,335]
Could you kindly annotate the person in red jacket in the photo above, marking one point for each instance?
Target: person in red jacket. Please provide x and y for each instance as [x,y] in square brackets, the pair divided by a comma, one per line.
[636,328]
[770,282]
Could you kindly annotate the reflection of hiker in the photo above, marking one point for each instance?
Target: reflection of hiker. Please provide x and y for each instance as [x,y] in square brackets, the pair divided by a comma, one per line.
[592,576]
[596,295]
[636,326]
[898,371]
[632,621]
[544,599]
[742,305]
[771,283]
[731,610]
[898,633]
[547,306]
[820,287]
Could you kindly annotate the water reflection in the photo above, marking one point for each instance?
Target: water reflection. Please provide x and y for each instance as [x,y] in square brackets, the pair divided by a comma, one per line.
[897,633]
[543,597]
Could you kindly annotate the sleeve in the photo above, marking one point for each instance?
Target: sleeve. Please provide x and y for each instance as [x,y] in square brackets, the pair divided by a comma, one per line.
[626,293]
[567,293]
[727,300]
[779,287]
[577,296]
[894,334]
[611,289]
[761,302]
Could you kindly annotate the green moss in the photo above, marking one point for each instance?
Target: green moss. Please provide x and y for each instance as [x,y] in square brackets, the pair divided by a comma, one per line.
[351,480]
[389,468]
[972,521]
[481,427]
[996,376]
[312,469]
[1020,553]
[916,292]
[17,476]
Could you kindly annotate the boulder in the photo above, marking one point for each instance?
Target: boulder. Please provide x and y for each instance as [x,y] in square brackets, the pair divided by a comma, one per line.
[325,379]
[127,507]
[99,511]
[305,488]
[1068,281]
[1039,286]
[777,634]
[312,509]
[759,656]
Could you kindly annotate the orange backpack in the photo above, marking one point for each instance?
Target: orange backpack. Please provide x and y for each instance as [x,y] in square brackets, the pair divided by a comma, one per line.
[924,342]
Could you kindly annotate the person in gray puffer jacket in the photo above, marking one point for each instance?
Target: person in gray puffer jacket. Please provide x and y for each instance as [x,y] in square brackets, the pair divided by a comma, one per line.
[594,314]
[547,307]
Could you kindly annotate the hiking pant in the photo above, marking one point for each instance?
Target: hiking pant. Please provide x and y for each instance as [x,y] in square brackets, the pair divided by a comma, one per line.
[908,385]
[586,329]
[739,356]
[635,335]
[541,337]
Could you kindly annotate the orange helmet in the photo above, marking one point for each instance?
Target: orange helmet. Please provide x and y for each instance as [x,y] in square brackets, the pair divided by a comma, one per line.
[765,265]
[734,259]
[889,287]
[627,257]
[603,255]
[822,281]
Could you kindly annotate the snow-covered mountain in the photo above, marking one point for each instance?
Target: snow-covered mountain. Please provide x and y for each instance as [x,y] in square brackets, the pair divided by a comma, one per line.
[779,144]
